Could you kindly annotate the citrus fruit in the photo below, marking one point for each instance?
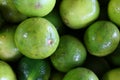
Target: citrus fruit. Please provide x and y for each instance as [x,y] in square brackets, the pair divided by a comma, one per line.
[33,69]
[113,74]
[36,38]
[69,54]
[80,73]
[77,14]
[101,38]
[35,7]
[10,13]
[6,71]
[8,49]
[114,11]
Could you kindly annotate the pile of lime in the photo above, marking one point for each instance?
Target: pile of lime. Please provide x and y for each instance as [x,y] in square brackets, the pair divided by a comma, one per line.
[59,39]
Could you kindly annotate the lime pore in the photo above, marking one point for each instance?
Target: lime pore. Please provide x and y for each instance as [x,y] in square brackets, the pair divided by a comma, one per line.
[36,38]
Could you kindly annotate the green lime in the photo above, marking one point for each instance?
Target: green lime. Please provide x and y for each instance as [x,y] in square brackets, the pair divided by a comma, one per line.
[8,49]
[35,7]
[6,71]
[114,11]
[36,38]
[10,13]
[33,69]
[113,74]
[78,14]
[80,73]
[101,38]
[69,54]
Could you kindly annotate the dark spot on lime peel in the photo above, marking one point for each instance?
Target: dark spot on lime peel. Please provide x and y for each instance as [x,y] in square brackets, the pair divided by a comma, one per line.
[50,41]
[37,5]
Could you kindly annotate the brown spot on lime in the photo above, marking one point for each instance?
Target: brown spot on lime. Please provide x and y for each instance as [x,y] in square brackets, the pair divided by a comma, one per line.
[50,41]
[37,5]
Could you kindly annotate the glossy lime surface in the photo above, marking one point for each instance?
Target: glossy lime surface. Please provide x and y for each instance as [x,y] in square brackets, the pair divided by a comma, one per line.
[101,38]
[113,74]
[69,54]
[33,8]
[8,48]
[78,14]
[36,38]
[6,71]
[114,11]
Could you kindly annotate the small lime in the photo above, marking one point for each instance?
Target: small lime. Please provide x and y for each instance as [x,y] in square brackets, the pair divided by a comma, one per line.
[114,11]
[101,38]
[69,54]
[35,7]
[36,38]
[6,71]
[113,74]
[78,14]
[8,49]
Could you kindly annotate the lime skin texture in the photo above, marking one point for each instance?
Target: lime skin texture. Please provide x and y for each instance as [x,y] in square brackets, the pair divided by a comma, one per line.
[36,38]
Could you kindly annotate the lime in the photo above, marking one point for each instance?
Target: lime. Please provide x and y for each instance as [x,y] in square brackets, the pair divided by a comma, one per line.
[8,49]
[113,74]
[69,54]
[101,38]
[10,13]
[114,11]
[80,73]
[36,38]
[6,71]
[35,7]
[33,69]
[78,14]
